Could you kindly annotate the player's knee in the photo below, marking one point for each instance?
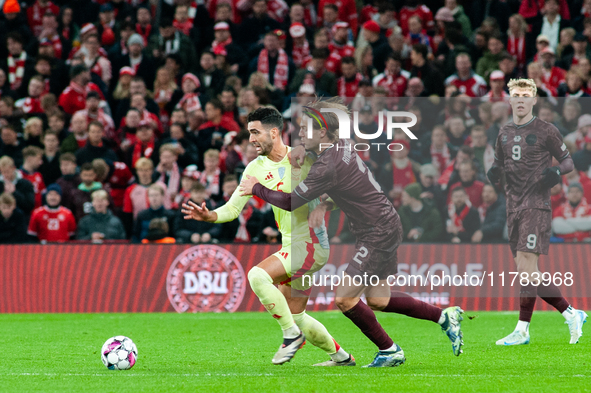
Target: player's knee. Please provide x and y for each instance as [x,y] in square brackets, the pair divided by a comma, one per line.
[344,303]
[376,303]
[258,276]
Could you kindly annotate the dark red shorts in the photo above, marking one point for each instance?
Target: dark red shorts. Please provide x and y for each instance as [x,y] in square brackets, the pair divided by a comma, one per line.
[376,252]
[530,230]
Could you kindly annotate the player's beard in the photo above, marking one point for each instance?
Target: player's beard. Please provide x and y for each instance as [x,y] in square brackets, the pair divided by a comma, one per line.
[266,147]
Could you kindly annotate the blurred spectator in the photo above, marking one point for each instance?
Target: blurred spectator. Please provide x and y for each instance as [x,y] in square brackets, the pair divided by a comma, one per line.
[73,98]
[253,29]
[142,63]
[430,190]
[424,69]
[211,133]
[463,220]
[212,177]
[582,158]
[472,187]
[572,220]
[94,112]
[136,195]
[52,222]
[439,152]
[170,41]
[552,76]
[577,137]
[96,146]
[50,168]
[33,130]
[189,179]
[19,65]
[493,216]
[81,197]
[32,104]
[156,209]
[192,231]
[100,224]
[33,158]
[248,227]
[497,91]
[13,224]
[158,232]
[11,146]
[212,79]
[69,180]
[394,79]
[400,172]
[490,60]
[315,74]
[466,80]
[168,169]
[456,131]
[143,145]
[186,149]
[13,183]
[551,22]
[420,219]
[483,151]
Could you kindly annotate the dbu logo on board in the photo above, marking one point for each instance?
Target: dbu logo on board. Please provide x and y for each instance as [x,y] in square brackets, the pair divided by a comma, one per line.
[205,278]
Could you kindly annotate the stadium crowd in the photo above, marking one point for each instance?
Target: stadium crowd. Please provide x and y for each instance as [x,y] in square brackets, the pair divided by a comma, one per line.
[114,113]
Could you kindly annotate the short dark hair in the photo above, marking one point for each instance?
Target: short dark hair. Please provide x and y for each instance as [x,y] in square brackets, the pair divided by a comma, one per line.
[348,60]
[394,56]
[77,70]
[16,36]
[267,116]
[459,188]
[216,103]
[320,53]
[229,178]
[229,89]
[332,7]
[166,22]
[468,150]
[87,166]
[421,49]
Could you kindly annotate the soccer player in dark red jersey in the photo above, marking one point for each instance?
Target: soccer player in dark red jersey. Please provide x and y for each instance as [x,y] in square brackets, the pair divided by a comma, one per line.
[339,172]
[524,151]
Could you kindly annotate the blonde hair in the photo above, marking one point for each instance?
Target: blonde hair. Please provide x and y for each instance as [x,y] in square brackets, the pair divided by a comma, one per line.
[101,168]
[6,161]
[170,148]
[144,162]
[32,151]
[99,194]
[30,122]
[157,187]
[523,83]
[211,153]
[7,199]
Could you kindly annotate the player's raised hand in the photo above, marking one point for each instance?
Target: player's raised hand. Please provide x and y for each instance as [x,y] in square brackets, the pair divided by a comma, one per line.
[297,156]
[192,211]
[247,184]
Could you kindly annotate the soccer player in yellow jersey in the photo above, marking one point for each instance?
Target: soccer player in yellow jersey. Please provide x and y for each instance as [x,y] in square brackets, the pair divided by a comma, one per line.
[303,252]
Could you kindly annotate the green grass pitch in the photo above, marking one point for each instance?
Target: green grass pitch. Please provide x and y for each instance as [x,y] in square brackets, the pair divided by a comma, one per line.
[232,353]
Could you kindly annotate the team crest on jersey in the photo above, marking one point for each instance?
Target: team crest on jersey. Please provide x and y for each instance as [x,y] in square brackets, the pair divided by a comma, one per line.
[531,139]
[281,171]
[517,138]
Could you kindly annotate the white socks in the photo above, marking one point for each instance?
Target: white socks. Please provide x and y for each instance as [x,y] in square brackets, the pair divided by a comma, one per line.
[522,326]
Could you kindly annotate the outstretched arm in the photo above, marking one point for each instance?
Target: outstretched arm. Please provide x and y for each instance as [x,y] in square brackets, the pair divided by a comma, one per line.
[282,200]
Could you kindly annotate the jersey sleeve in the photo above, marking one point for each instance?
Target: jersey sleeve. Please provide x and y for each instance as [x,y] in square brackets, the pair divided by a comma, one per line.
[555,145]
[231,210]
[33,224]
[499,155]
[321,178]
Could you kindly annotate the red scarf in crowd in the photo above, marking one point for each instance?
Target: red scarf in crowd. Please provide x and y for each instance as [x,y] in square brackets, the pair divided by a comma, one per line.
[221,45]
[440,159]
[211,182]
[190,102]
[516,47]
[16,70]
[458,219]
[142,150]
[281,69]
[242,235]
[300,54]
[143,31]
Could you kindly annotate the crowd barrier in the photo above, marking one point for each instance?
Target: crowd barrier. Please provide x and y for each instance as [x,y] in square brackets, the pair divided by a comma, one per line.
[86,278]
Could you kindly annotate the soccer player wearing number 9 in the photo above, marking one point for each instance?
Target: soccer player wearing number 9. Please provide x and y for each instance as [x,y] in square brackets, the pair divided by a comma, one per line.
[524,151]
[339,172]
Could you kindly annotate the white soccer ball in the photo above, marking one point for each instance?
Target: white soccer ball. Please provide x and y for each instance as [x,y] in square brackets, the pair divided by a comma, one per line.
[119,353]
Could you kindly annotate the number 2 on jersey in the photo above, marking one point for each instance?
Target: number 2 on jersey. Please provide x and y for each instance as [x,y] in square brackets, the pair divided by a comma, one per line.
[516,150]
